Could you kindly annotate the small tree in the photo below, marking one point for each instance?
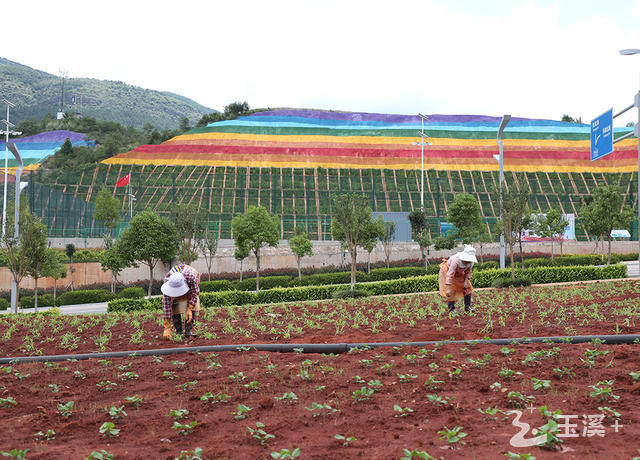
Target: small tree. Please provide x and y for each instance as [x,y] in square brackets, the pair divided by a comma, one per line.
[37,254]
[107,209]
[351,215]
[515,215]
[371,233]
[208,244]
[148,239]
[464,213]
[61,272]
[424,241]
[482,236]
[240,254]
[605,213]
[388,236]
[253,230]
[301,246]
[188,220]
[111,259]
[70,250]
[525,224]
[550,225]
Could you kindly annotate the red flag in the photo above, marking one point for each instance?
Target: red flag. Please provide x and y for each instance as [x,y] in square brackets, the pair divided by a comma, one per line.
[123,181]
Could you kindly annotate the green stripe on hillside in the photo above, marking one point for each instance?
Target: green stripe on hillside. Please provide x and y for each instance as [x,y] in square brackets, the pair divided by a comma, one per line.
[289,131]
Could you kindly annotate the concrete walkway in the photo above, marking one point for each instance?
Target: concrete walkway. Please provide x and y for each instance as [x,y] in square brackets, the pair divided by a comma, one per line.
[633,269]
[81,309]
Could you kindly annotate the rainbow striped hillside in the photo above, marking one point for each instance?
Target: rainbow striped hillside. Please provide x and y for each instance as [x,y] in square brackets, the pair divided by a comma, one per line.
[313,138]
[35,149]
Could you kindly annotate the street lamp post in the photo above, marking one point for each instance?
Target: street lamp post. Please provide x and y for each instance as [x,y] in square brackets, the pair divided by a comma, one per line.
[16,229]
[503,124]
[6,164]
[636,132]
[422,143]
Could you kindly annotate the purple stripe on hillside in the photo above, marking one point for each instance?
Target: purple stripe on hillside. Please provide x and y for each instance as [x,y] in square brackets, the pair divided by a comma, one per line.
[54,136]
[382,117]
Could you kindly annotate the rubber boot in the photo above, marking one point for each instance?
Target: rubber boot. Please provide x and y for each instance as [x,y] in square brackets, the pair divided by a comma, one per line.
[177,323]
[452,306]
[467,303]
[188,326]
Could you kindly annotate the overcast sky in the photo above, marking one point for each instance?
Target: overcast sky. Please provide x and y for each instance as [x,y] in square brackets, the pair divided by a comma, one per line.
[528,58]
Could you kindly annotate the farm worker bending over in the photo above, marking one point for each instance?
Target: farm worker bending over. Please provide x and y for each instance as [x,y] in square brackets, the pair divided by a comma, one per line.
[181,290]
[455,277]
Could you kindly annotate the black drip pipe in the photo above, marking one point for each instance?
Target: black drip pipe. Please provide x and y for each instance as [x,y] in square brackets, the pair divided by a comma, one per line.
[322,347]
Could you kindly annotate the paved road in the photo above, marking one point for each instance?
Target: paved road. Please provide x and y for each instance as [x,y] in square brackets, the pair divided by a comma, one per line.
[633,271]
[71,309]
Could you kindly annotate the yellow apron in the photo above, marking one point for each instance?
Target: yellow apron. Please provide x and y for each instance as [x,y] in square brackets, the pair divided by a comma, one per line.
[458,283]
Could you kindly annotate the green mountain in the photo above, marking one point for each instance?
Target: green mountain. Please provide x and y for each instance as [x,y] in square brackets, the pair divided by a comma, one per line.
[36,93]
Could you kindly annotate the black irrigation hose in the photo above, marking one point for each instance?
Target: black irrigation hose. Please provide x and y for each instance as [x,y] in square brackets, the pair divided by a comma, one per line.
[321,347]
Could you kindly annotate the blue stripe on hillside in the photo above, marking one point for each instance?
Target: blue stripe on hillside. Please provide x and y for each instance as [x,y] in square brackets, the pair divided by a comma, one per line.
[345,123]
[431,129]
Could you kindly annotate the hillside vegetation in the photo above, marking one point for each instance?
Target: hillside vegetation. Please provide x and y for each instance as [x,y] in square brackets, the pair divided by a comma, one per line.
[37,93]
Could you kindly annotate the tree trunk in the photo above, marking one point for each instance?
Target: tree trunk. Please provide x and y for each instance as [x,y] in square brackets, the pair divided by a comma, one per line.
[481,253]
[561,241]
[71,270]
[35,295]
[299,272]
[513,274]
[369,263]
[55,282]
[113,283]
[387,253]
[209,268]
[354,253]
[424,258]
[241,270]
[521,255]
[150,277]
[257,253]
[609,250]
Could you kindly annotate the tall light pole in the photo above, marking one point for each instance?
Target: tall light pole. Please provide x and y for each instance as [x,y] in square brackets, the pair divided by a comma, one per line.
[503,124]
[422,143]
[16,232]
[6,164]
[636,132]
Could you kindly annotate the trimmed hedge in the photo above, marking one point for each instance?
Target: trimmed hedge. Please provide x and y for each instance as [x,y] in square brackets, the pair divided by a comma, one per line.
[216,285]
[508,282]
[44,300]
[90,296]
[416,284]
[131,293]
[266,282]
[130,305]
[4,304]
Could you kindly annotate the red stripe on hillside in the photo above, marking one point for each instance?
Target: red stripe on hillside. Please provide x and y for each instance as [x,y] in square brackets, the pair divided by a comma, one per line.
[364,162]
[555,154]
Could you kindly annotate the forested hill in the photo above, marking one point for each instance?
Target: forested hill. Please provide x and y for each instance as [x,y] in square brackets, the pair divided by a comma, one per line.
[36,93]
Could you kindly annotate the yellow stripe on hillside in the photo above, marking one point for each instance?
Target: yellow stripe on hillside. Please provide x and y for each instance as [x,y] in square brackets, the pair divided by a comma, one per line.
[439,166]
[542,143]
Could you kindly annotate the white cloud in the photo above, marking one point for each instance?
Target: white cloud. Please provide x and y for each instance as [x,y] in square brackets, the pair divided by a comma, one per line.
[401,57]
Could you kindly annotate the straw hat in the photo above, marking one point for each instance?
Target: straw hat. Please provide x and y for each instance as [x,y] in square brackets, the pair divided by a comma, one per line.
[468,254]
[175,286]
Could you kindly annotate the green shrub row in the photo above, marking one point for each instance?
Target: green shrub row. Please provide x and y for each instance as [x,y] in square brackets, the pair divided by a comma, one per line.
[44,300]
[89,296]
[424,283]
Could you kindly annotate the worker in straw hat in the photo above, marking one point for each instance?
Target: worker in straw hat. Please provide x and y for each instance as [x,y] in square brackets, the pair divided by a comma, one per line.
[180,294]
[455,277]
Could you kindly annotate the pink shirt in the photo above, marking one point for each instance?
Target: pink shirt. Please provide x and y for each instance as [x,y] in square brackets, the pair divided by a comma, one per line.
[454,265]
